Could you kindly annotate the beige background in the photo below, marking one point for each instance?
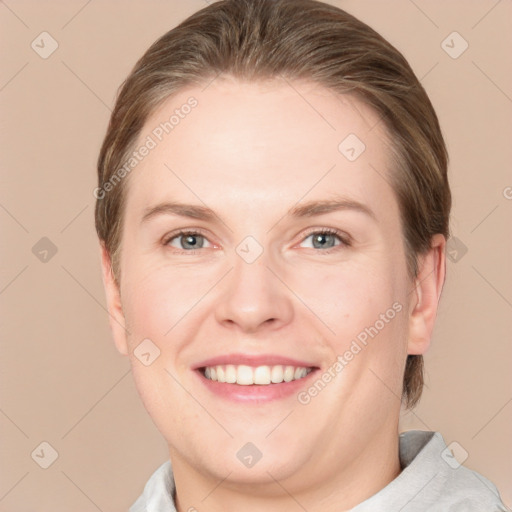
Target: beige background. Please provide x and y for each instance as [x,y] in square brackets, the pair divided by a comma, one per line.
[61,380]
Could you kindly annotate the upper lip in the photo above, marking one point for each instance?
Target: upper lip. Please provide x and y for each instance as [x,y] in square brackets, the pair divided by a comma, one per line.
[253,360]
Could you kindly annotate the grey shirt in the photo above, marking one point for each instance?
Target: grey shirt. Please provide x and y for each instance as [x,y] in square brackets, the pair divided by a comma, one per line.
[431,480]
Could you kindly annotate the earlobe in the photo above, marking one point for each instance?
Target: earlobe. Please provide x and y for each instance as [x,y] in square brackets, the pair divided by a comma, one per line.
[427,290]
[114,307]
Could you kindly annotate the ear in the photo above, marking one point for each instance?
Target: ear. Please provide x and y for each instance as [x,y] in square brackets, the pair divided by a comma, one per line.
[115,311]
[426,294]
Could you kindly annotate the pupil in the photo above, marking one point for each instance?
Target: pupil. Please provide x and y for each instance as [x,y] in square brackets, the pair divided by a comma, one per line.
[190,240]
[321,239]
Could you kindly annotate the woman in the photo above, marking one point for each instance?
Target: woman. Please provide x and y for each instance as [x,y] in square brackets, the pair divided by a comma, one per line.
[273,208]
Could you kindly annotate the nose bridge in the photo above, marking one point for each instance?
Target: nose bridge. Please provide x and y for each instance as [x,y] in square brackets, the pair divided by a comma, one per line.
[253,294]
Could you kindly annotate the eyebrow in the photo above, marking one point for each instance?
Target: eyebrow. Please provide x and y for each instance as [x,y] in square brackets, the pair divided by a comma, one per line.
[309,209]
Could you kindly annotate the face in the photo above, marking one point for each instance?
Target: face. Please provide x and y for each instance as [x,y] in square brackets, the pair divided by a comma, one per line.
[260,243]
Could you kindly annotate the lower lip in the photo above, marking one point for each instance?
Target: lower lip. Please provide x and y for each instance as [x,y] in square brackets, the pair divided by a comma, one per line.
[256,393]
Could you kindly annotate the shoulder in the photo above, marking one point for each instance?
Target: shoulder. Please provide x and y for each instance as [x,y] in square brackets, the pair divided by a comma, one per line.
[450,486]
[158,491]
[432,480]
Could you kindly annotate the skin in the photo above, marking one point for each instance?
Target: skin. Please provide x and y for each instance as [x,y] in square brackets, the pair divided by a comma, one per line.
[251,152]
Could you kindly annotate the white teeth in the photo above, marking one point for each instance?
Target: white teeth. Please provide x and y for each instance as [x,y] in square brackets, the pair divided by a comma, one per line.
[276,374]
[230,374]
[262,375]
[221,374]
[244,375]
[289,372]
[300,373]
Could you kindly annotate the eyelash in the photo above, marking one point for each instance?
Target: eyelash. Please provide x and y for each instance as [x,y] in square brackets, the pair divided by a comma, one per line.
[342,237]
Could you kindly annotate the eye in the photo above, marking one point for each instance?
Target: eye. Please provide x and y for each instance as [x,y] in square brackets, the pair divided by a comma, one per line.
[186,240]
[326,239]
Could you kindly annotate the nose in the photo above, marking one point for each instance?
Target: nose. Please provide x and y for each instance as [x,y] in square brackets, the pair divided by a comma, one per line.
[254,297]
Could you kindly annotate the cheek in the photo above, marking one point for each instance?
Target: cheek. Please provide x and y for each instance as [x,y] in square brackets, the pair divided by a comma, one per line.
[349,297]
[157,298]
[157,308]
[365,310]
[166,401]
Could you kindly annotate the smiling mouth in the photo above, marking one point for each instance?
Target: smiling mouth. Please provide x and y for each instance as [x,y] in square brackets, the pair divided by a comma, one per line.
[244,375]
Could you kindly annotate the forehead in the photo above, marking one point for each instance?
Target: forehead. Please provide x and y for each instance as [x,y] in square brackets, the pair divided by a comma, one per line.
[261,144]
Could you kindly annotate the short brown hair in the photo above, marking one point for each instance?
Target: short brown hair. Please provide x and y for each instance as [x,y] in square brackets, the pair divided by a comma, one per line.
[296,39]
